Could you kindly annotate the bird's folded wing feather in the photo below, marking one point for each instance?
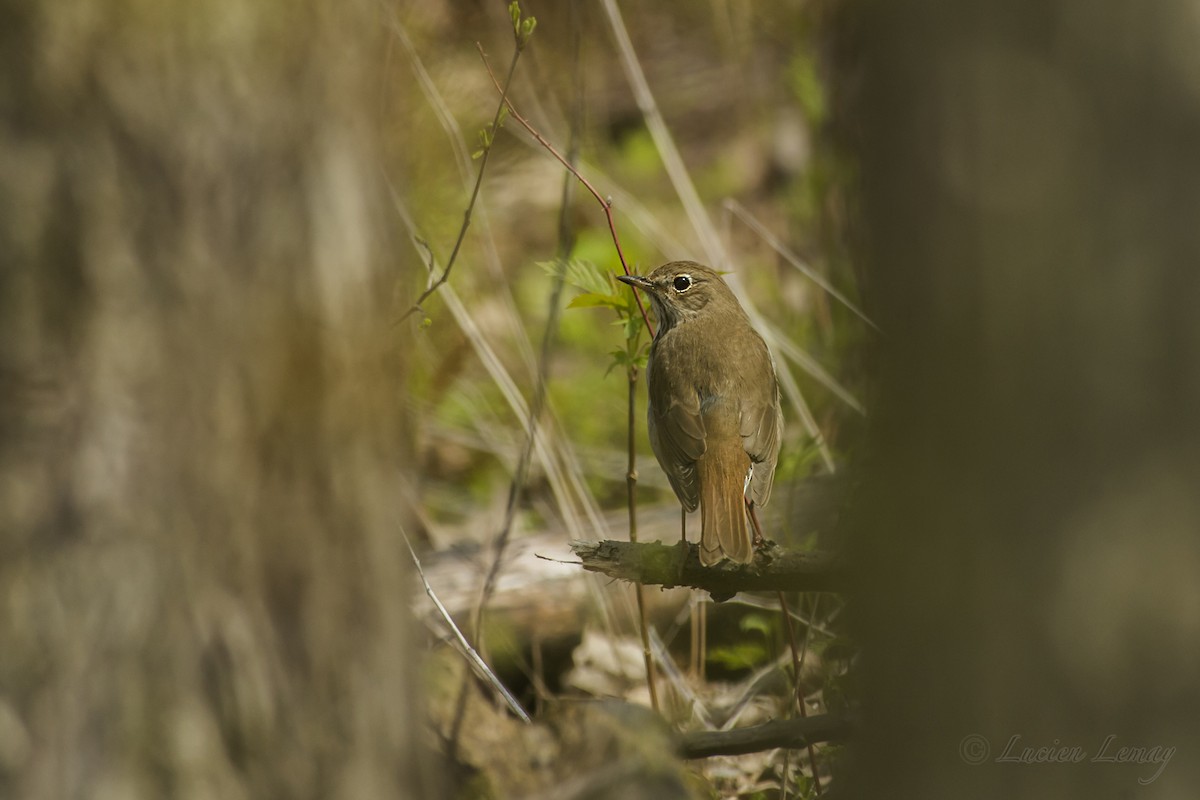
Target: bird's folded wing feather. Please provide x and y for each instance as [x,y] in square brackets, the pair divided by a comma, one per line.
[761,428]
[677,437]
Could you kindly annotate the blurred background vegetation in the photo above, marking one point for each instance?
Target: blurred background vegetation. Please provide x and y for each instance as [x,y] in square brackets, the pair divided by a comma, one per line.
[218,427]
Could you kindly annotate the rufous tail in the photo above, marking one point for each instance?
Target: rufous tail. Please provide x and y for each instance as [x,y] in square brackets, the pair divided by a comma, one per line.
[723,530]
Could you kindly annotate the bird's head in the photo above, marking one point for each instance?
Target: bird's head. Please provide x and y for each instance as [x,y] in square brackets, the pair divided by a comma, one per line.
[682,290]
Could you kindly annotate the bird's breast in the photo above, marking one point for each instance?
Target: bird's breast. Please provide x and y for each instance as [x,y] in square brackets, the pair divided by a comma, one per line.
[690,372]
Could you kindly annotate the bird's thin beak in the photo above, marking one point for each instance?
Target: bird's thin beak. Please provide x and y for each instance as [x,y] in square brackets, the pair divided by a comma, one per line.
[636,280]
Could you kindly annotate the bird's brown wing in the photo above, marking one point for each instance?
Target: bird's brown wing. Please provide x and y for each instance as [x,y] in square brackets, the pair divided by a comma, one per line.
[762,430]
[677,438]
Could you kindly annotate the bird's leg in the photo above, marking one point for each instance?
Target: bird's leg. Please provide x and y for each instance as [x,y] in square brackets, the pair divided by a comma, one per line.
[683,542]
[758,536]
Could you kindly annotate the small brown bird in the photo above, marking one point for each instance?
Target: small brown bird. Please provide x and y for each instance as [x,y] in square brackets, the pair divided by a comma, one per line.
[714,417]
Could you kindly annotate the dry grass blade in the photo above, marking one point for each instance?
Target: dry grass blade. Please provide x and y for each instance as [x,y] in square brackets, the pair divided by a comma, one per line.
[792,390]
[566,489]
[466,223]
[569,472]
[672,160]
[666,662]
[500,376]
[434,97]
[742,213]
[565,245]
[473,658]
[454,136]
[814,370]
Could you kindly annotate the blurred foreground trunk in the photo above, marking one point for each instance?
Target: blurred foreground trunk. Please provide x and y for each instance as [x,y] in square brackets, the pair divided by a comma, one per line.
[202,586]
[1028,533]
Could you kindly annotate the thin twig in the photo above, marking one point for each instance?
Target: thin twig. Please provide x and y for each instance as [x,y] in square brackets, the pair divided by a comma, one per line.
[797,656]
[462,160]
[631,488]
[483,160]
[798,693]
[792,733]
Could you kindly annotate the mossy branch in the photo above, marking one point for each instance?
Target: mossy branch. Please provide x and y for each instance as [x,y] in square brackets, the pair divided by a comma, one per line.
[652,563]
[792,734]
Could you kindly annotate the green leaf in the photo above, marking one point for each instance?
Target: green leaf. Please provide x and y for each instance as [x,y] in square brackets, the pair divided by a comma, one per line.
[514,11]
[756,622]
[581,274]
[740,656]
[633,325]
[809,90]
[593,300]
[617,361]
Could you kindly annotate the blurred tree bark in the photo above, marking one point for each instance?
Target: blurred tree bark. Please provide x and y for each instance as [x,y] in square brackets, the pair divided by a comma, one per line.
[202,587]
[1028,529]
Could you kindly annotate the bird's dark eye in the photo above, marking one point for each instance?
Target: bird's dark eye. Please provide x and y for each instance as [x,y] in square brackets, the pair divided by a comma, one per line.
[682,283]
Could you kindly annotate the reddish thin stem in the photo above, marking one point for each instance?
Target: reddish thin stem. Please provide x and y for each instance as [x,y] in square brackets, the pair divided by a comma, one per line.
[605,203]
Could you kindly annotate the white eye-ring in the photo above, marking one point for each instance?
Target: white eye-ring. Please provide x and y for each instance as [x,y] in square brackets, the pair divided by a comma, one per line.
[682,283]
